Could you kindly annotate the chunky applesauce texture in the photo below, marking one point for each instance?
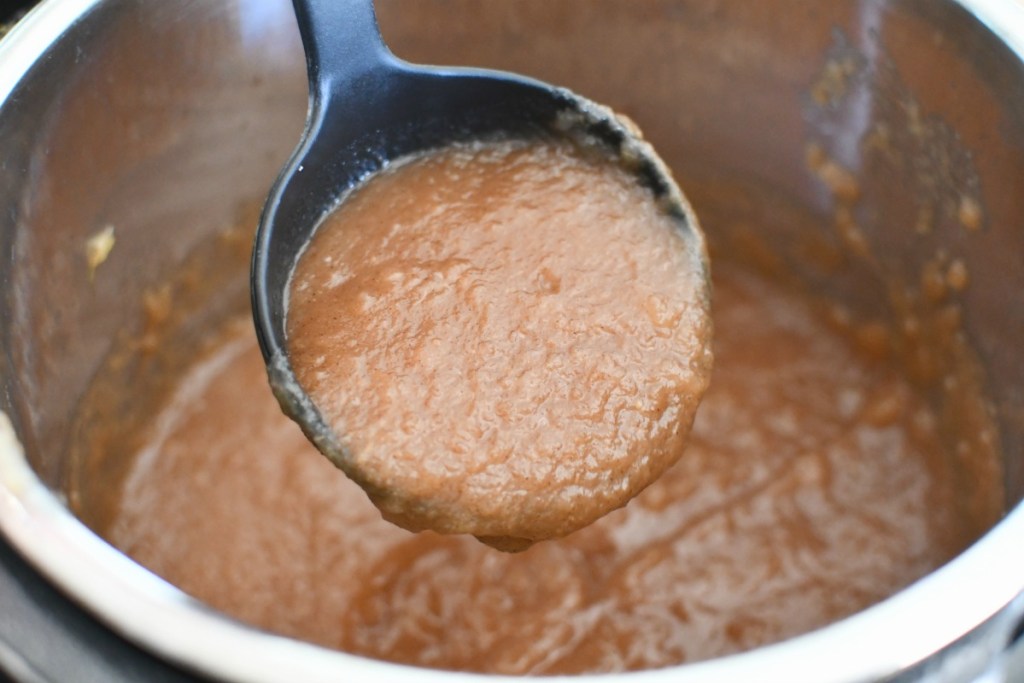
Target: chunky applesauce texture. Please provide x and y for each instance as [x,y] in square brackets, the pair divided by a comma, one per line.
[510,338]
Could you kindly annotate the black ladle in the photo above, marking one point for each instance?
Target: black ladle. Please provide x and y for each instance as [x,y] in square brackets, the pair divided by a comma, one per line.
[368,107]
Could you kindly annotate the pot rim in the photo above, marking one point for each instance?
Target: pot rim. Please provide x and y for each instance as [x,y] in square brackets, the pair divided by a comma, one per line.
[885,639]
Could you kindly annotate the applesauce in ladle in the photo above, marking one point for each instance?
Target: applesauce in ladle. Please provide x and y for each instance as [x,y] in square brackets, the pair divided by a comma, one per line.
[509,338]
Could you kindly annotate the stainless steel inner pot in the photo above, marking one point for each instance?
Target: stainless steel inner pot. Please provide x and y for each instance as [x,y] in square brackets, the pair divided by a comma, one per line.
[165,120]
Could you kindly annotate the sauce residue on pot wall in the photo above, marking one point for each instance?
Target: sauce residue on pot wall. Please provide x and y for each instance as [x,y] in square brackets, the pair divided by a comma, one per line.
[820,479]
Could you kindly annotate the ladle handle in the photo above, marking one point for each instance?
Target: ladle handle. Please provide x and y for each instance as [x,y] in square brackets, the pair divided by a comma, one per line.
[342,43]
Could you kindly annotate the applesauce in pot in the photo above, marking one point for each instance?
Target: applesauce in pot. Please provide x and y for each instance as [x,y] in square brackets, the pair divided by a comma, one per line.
[819,478]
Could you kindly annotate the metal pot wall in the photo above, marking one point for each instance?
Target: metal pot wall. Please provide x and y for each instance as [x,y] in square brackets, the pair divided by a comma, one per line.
[164,119]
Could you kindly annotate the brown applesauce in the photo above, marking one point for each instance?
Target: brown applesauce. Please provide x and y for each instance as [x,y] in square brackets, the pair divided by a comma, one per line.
[509,338]
[816,482]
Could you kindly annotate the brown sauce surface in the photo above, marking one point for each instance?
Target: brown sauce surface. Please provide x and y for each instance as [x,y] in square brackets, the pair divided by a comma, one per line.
[509,338]
[814,485]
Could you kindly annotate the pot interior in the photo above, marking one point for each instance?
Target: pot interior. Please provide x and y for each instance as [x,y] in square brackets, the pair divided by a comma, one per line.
[891,136]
